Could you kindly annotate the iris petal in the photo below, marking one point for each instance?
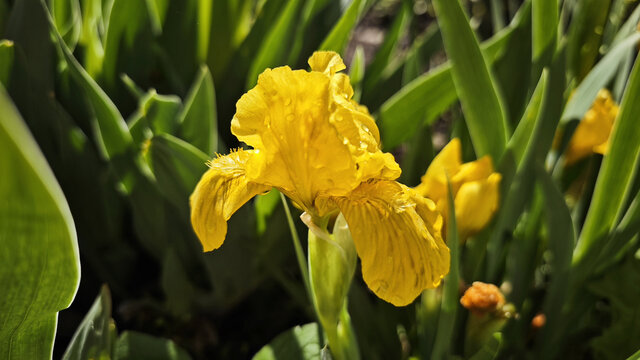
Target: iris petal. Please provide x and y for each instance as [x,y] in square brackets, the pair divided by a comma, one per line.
[473,171]
[592,133]
[397,234]
[446,164]
[475,188]
[285,117]
[476,202]
[327,62]
[221,191]
[312,139]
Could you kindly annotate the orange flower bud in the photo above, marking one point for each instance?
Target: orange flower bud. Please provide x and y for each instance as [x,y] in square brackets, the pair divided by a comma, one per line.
[482,298]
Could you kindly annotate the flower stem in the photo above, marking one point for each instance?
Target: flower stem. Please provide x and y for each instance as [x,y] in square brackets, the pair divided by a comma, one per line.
[302,261]
[340,336]
[331,267]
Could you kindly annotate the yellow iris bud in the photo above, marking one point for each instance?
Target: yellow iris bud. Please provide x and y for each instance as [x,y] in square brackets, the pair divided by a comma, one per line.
[475,188]
[592,134]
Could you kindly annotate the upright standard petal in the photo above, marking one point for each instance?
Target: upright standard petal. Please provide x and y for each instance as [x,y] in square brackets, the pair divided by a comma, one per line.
[311,139]
[328,62]
[397,234]
[286,119]
[221,191]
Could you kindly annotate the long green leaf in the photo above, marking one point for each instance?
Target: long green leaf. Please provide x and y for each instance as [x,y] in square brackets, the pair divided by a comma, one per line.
[157,10]
[384,55]
[521,136]
[39,261]
[424,99]
[490,350]
[450,296]
[497,15]
[418,56]
[198,119]
[628,28]
[66,14]
[91,37]
[127,19]
[561,239]
[299,343]
[177,166]
[132,345]
[402,114]
[481,103]
[514,69]
[597,79]
[545,29]
[113,136]
[617,14]
[622,237]
[635,356]
[519,192]
[276,43]
[615,178]
[96,335]
[339,35]
[160,111]
[228,24]
[356,72]
[204,29]
[264,206]
[585,34]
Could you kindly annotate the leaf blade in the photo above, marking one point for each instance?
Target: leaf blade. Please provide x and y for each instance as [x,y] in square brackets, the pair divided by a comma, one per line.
[337,39]
[613,186]
[39,261]
[481,102]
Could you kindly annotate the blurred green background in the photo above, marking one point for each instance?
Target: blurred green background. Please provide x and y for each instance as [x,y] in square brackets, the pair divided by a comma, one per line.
[127,99]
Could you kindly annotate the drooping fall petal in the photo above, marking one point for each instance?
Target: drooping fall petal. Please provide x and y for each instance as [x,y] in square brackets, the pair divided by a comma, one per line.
[221,191]
[398,238]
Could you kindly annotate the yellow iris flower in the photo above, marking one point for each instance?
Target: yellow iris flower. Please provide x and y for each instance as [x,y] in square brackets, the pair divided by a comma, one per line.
[592,134]
[322,150]
[475,188]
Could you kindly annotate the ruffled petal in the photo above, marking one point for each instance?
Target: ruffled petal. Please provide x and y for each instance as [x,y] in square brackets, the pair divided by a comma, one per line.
[221,191]
[286,119]
[476,202]
[311,139]
[397,234]
[328,62]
